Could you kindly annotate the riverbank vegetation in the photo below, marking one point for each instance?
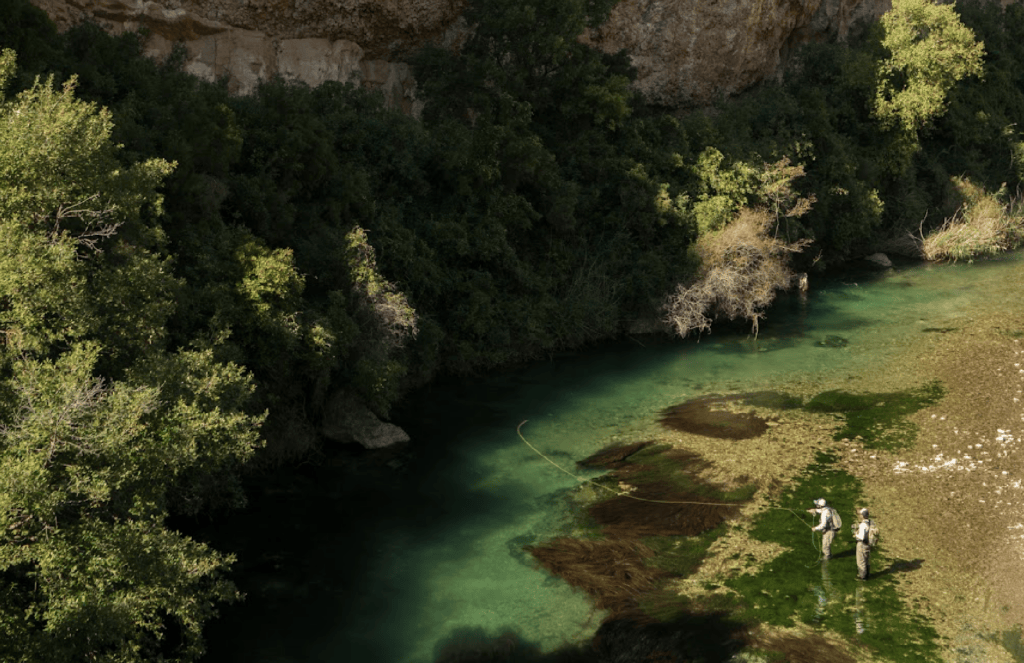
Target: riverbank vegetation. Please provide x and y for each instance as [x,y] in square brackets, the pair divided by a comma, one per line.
[187,276]
[986,223]
[741,267]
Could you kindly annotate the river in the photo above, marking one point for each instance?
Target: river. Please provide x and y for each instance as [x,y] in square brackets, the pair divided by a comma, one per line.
[394,558]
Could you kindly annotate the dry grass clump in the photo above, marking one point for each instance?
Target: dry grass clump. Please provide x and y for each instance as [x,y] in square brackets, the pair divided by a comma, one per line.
[742,266]
[985,224]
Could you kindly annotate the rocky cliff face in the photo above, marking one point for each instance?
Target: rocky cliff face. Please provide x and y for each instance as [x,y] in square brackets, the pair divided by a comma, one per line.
[692,52]
[687,52]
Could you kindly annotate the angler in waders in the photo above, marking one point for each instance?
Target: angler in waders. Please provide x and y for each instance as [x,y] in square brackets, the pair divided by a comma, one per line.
[828,526]
[862,533]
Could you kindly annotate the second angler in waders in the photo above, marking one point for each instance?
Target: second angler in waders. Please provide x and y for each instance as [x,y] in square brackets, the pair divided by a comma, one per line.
[865,540]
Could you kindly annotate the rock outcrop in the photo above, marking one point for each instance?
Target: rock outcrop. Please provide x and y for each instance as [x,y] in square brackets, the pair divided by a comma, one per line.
[347,419]
[252,40]
[879,259]
[692,53]
[687,52]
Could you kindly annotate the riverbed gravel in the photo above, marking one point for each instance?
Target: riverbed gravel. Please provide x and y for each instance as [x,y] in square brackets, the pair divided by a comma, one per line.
[955,500]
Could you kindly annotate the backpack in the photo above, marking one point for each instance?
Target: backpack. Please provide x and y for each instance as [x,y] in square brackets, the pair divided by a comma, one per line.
[837,522]
[873,534]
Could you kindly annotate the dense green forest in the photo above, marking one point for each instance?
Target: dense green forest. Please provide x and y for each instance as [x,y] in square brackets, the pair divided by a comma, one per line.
[187,276]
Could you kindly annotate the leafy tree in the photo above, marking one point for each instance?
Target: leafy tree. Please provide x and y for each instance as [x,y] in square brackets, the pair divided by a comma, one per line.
[63,197]
[724,190]
[89,569]
[103,431]
[930,51]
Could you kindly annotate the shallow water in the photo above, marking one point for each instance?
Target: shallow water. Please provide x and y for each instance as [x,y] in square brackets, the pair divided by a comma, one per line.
[368,563]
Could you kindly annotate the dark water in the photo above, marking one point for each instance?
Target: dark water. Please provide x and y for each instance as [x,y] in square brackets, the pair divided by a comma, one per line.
[391,559]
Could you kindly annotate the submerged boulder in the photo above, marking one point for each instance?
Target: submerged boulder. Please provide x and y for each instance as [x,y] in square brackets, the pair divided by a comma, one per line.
[879,259]
[833,341]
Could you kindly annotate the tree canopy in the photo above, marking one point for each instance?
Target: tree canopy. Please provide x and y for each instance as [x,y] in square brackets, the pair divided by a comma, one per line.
[103,429]
[930,50]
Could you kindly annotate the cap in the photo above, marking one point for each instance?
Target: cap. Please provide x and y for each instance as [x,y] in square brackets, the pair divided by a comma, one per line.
[864,512]
[819,502]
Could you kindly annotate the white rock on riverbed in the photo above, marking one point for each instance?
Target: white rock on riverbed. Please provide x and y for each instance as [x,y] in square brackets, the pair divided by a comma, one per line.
[879,259]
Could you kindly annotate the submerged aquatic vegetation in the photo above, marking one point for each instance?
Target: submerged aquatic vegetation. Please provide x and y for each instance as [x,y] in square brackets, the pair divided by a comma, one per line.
[833,342]
[648,542]
[612,571]
[709,416]
[680,555]
[652,464]
[1012,642]
[796,587]
[878,419]
[658,526]
[700,417]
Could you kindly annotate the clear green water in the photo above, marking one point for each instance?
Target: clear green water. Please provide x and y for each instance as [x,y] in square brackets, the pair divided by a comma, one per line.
[366,563]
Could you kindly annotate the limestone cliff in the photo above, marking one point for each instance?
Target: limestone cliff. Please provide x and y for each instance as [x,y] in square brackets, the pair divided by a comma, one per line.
[691,52]
[687,52]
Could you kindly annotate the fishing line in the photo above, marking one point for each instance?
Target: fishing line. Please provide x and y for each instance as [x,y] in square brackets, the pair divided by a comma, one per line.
[633,497]
[817,548]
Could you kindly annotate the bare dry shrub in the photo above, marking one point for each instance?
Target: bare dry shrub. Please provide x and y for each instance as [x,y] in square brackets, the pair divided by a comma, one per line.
[742,266]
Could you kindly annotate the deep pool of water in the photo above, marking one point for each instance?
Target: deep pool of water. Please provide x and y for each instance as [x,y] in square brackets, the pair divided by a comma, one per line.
[358,561]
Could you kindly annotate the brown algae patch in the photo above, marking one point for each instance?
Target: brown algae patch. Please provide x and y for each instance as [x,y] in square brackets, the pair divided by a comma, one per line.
[613,572]
[717,415]
[802,644]
[662,498]
[648,504]
[705,416]
[788,445]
